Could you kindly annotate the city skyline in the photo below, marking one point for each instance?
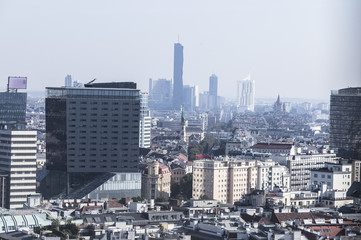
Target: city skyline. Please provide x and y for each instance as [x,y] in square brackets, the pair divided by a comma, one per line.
[295,49]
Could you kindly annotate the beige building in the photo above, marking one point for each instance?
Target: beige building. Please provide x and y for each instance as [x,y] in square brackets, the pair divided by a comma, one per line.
[156,181]
[224,181]
[178,174]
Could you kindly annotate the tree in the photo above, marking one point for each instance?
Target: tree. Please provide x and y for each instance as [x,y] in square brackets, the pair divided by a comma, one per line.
[205,197]
[186,186]
[138,199]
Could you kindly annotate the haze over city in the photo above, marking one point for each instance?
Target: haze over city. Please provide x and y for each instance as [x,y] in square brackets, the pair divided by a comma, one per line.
[299,49]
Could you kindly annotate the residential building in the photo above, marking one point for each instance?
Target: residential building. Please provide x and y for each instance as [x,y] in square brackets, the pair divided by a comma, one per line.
[245,94]
[213,91]
[345,122]
[178,76]
[156,180]
[91,131]
[225,181]
[271,175]
[300,167]
[178,174]
[145,122]
[337,176]
[18,163]
[276,148]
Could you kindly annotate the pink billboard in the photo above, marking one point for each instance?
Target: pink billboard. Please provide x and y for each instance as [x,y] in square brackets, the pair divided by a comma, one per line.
[17,82]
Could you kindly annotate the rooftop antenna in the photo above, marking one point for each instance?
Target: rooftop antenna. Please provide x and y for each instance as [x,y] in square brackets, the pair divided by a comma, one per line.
[178,38]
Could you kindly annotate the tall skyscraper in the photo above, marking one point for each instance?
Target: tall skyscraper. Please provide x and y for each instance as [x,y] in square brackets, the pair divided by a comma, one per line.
[188,98]
[90,130]
[18,149]
[345,122]
[68,81]
[245,94]
[178,76]
[213,91]
[18,164]
[145,122]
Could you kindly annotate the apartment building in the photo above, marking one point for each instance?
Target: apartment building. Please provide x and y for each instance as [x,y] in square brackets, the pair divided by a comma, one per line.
[337,176]
[300,168]
[271,174]
[18,167]
[156,180]
[224,181]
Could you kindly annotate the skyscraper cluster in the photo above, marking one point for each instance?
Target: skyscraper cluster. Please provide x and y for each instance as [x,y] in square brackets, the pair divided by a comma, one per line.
[165,94]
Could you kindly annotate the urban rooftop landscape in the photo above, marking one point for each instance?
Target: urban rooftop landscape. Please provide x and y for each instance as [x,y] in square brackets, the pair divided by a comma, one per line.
[180,120]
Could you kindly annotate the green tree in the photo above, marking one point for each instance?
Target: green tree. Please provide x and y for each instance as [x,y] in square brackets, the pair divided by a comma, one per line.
[137,199]
[186,186]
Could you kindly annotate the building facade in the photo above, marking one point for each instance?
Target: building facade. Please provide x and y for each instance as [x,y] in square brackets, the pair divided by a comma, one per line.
[337,176]
[271,175]
[300,167]
[345,122]
[213,91]
[178,76]
[224,181]
[245,94]
[13,107]
[89,131]
[156,181]
[18,162]
[145,122]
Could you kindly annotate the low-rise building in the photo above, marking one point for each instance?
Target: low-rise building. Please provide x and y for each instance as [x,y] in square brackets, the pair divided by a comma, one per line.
[337,176]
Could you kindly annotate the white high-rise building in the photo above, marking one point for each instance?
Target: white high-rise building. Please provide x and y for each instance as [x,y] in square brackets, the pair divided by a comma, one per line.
[145,122]
[245,94]
[18,163]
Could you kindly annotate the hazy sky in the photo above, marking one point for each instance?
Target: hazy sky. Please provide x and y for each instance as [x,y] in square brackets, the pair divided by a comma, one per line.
[293,48]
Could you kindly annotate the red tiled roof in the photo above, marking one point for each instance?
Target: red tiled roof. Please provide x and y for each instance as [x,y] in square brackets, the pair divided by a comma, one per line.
[86,208]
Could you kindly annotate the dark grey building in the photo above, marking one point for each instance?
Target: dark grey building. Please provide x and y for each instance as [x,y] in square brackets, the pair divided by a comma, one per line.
[345,122]
[12,107]
[213,91]
[91,130]
[178,76]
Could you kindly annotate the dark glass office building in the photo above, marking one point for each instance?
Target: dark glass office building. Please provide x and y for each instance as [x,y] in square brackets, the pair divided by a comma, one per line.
[178,76]
[91,130]
[12,107]
[345,122]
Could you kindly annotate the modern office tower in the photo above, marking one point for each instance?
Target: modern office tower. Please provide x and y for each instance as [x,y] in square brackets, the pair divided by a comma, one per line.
[196,96]
[90,131]
[224,181]
[160,97]
[17,166]
[345,122]
[18,147]
[300,167]
[145,122]
[188,98]
[245,94]
[150,86]
[178,76]
[156,181]
[213,91]
[12,107]
[68,81]
[204,101]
